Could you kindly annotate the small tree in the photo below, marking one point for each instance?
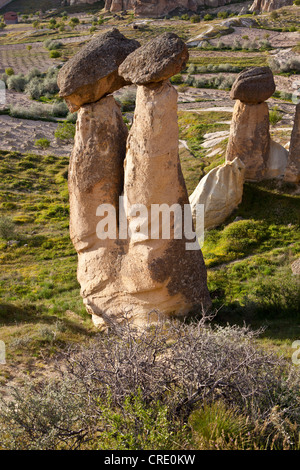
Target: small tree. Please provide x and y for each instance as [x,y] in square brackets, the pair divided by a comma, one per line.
[74,22]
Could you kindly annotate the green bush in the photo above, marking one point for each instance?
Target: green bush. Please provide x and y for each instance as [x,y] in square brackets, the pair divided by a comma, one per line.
[195,19]
[54,54]
[223,14]
[216,422]
[177,79]
[35,72]
[35,111]
[60,109]
[52,45]
[276,295]
[74,22]
[65,131]
[274,116]
[34,88]
[127,100]
[9,71]
[16,82]
[43,143]
[72,117]
[240,235]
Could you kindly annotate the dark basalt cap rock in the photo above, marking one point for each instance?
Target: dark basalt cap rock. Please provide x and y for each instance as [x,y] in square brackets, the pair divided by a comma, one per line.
[253,85]
[156,61]
[93,71]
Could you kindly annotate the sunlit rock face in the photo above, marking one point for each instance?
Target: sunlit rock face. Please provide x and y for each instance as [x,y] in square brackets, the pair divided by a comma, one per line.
[269,5]
[292,172]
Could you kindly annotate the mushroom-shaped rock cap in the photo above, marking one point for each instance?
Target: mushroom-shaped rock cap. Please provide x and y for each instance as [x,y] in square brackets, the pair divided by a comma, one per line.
[253,85]
[93,71]
[156,61]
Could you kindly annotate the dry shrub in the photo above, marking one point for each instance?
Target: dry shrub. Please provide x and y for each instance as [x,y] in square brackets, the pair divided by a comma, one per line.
[175,367]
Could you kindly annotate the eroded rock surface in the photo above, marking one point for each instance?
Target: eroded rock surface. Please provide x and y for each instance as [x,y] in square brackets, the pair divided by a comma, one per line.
[96,177]
[269,5]
[254,85]
[292,172]
[159,273]
[157,60]
[127,274]
[249,138]
[277,161]
[157,8]
[93,72]
[220,191]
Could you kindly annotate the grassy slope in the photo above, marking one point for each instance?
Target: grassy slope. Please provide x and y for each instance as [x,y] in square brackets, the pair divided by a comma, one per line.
[40,306]
[42,289]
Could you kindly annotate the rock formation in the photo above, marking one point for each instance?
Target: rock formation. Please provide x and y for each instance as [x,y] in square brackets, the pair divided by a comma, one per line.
[135,274]
[159,273]
[119,5]
[82,2]
[169,55]
[157,8]
[277,161]
[253,86]
[93,72]
[96,177]
[296,267]
[249,138]
[220,191]
[292,172]
[269,5]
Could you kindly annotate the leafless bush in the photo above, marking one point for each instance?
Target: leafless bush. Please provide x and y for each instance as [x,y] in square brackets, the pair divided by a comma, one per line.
[177,365]
[180,364]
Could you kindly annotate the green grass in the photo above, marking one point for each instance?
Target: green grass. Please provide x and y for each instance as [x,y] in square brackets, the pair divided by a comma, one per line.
[248,261]
[249,273]
[34,196]
[258,60]
[193,126]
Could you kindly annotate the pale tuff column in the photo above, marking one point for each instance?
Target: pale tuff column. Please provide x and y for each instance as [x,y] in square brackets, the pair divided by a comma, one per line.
[96,177]
[249,138]
[159,273]
[292,172]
